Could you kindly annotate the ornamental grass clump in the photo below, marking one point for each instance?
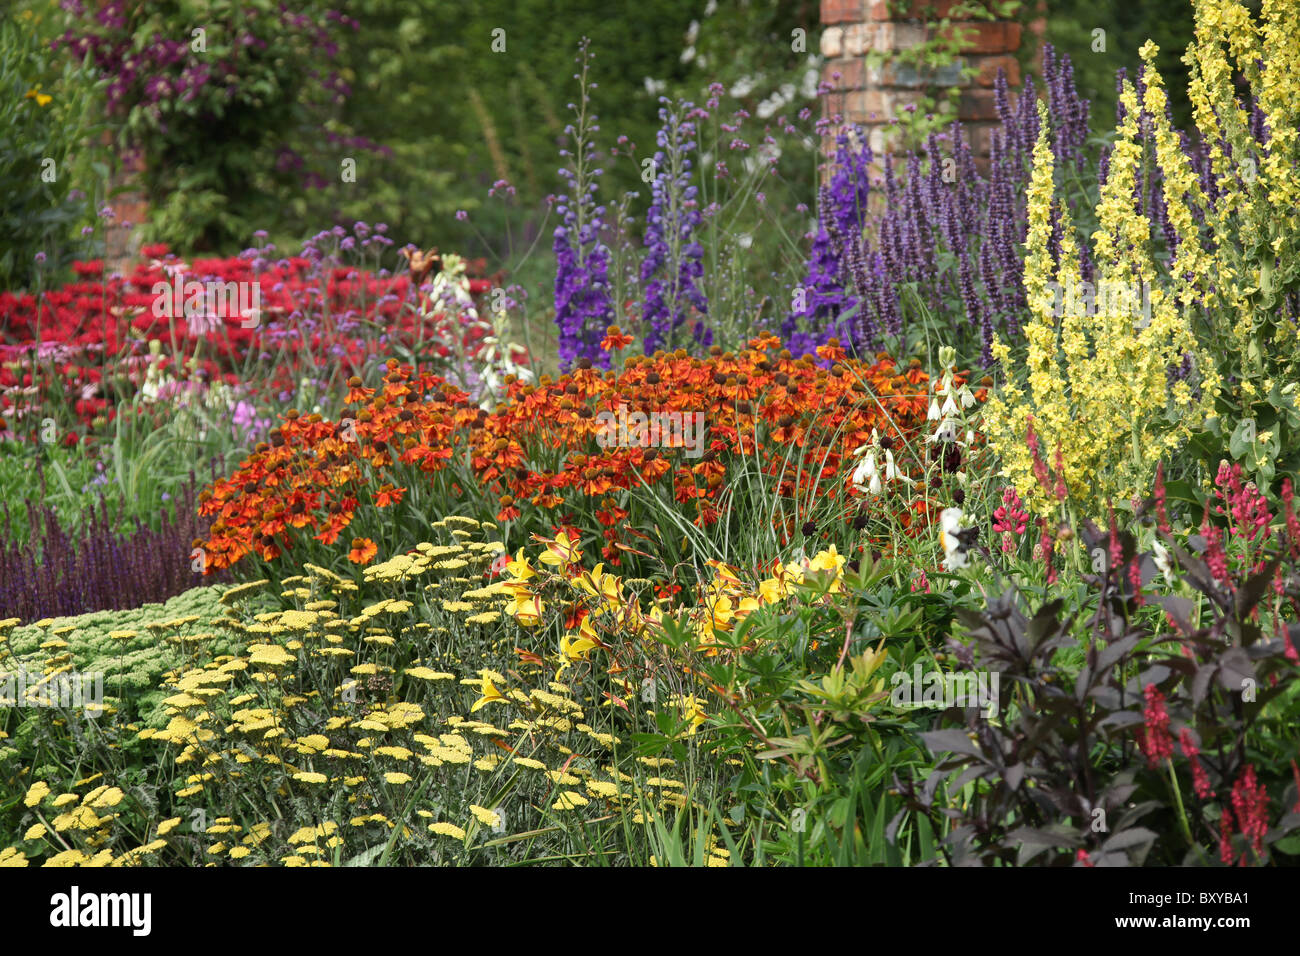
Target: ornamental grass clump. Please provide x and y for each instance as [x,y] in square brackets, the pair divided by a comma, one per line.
[1093,389]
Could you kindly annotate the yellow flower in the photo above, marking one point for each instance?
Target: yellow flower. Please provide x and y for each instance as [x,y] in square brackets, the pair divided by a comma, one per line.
[600,585]
[489,818]
[569,800]
[42,99]
[447,829]
[519,568]
[270,655]
[576,647]
[490,694]
[36,793]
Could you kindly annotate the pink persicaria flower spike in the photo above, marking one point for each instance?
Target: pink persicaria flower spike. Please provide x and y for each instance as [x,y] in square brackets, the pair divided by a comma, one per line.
[1200,779]
[1060,490]
[1292,523]
[1215,557]
[1225,838]
[1044,550]
[1250,801]
[1040,466]
[1154,738]
[1162,514]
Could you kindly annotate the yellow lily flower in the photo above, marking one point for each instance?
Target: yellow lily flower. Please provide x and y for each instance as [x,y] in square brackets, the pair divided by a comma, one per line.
[527,609]
[561,550]
[575,647]
[773,590]
[490,693]
[692,712]
[520,568]
[828,560]
[601,585]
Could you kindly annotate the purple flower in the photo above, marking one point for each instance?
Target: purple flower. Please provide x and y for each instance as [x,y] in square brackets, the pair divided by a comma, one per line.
[583,309]
[674,261]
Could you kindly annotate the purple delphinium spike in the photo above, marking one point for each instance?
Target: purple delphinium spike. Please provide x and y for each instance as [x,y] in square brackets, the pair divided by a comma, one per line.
[841,215]
[674,260]
[583,310]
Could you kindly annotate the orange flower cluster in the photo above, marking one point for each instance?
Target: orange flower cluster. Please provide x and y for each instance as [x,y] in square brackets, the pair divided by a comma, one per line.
[542,446]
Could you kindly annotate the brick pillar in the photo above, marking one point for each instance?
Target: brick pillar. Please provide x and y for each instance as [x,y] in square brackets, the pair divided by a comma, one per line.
[127,200]
[876,95]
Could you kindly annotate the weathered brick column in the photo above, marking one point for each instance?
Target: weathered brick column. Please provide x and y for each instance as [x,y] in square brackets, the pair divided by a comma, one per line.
[122,244]
[860,33]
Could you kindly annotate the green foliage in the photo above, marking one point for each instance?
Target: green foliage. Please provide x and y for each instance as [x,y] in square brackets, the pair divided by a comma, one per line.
[212,146]
[1073,25]
[133,668]
[46,118]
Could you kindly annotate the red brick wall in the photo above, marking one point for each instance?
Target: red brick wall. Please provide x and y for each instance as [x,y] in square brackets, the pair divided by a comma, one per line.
[875,95]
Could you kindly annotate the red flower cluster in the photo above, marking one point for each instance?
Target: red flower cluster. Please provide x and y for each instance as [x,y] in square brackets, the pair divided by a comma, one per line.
[552,445]
[1154,739]
[90,337]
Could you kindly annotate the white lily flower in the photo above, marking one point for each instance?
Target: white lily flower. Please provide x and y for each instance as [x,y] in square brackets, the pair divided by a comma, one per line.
[1160,555]
[891,470]
[933,414]
[955,554]
[866,469]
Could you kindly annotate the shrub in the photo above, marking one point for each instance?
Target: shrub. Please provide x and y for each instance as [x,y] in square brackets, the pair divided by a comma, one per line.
[1194,644]
[209,105]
